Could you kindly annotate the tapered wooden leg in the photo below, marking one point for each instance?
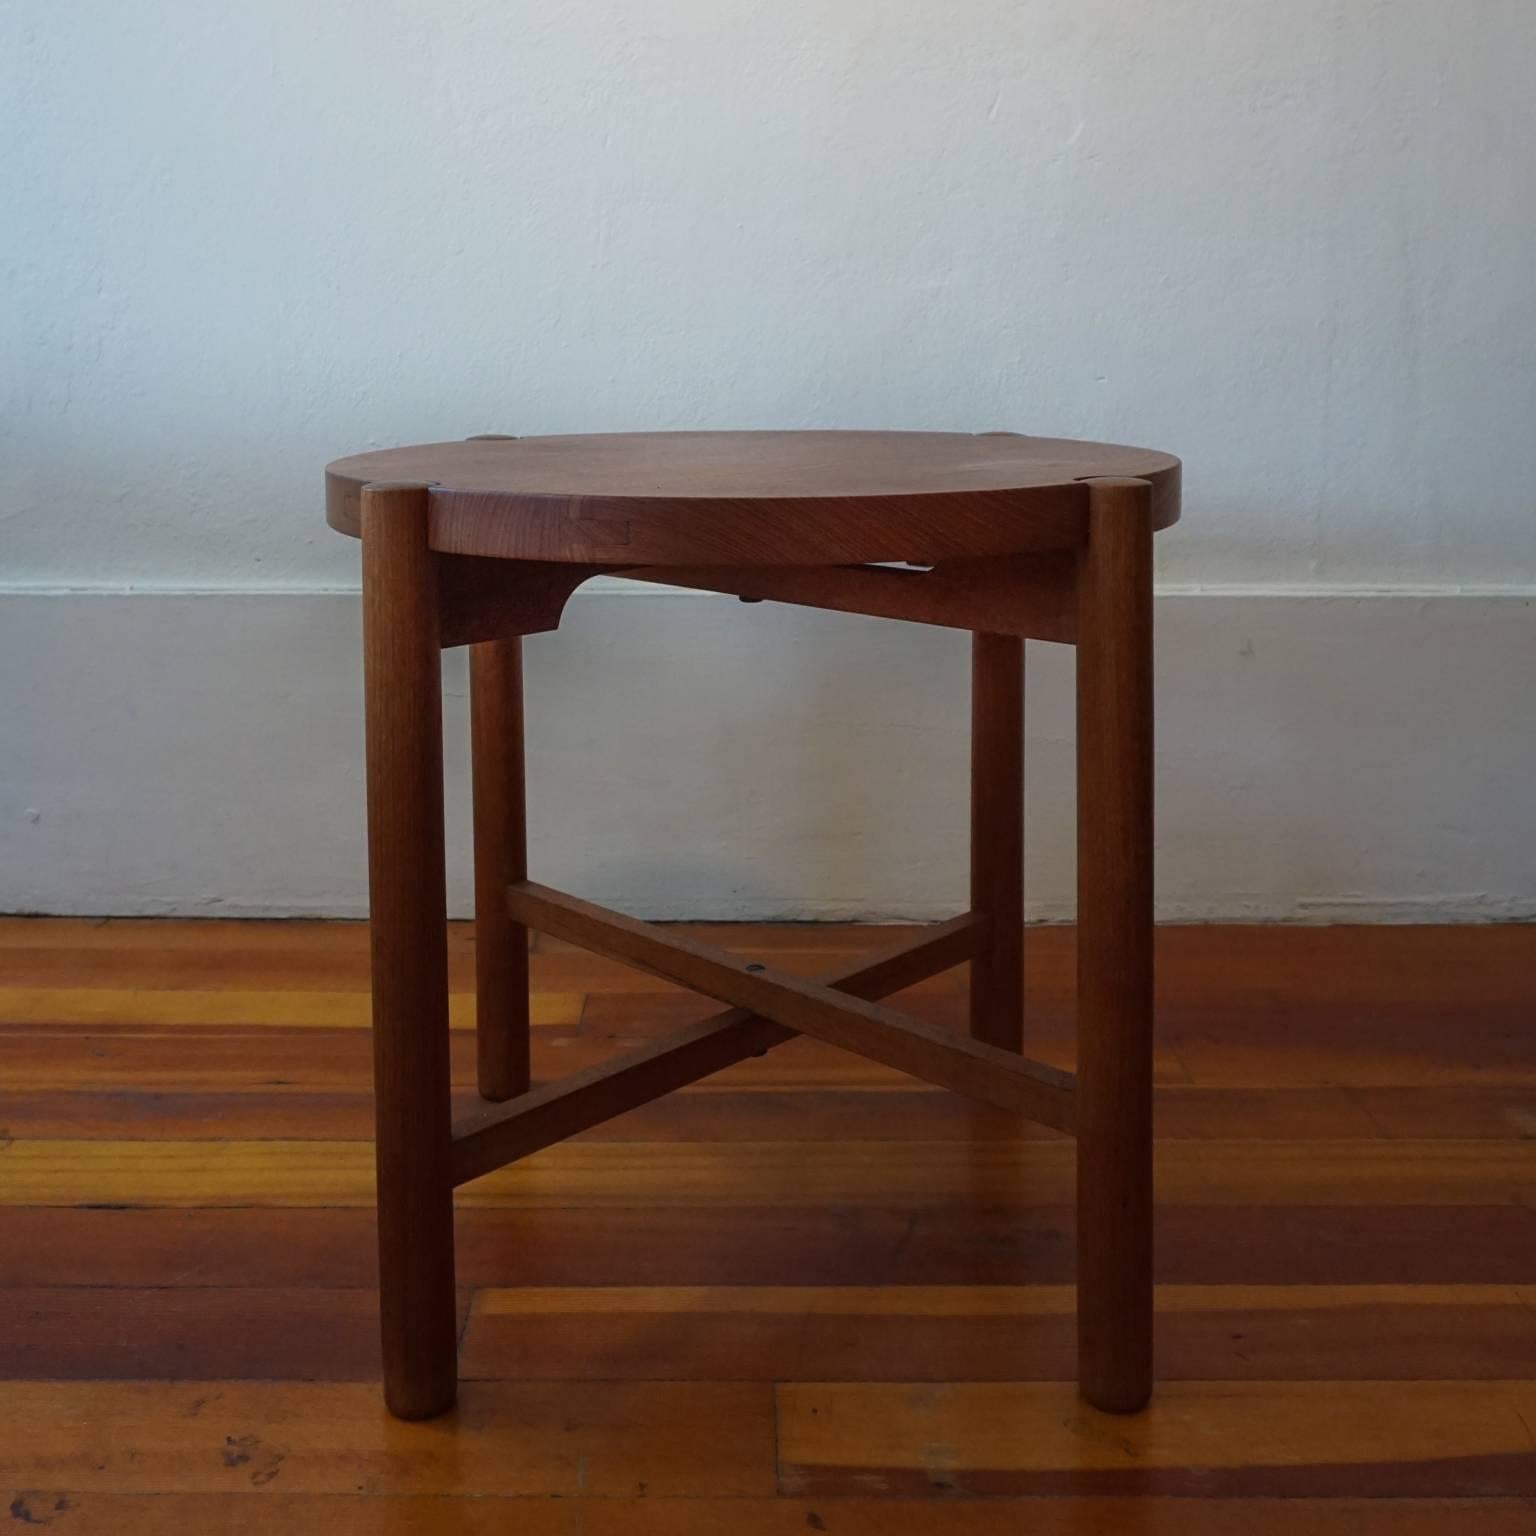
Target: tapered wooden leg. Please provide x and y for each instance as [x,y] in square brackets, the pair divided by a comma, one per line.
[501,857]
[402,665]
[997,838]
[1114,938]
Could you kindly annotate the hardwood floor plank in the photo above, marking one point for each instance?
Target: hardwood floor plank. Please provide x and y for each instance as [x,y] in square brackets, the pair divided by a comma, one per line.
[170,1038]
[1371,1035]
[160,1008]
[1402,966]
[761,1111]
[1347,1185]
[198,1514]
[163,934]
[218,955]
[977,1333]
[807,1063]
[1465,1113]
[58,1059]
[167,1115]
[766,1334]
[907,1302]
[215,968]
[110,1245]
[1059,1517]
[44,1060]
[1449,1051]
[612,1439]
[1484,1096]
[700,1114]
[1405,1439]
[314,1173]
[113,1332]
[954,1243]
[1187,1112]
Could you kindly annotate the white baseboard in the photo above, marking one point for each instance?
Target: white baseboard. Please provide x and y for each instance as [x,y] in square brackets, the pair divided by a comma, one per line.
[1358,756]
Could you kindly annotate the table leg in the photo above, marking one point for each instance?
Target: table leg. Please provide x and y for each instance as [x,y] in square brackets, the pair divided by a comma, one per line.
[997,838]
[1114,943]
[501,857]
[409,948]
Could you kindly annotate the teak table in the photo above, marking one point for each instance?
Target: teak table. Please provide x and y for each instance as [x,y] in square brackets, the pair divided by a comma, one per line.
[1014,538]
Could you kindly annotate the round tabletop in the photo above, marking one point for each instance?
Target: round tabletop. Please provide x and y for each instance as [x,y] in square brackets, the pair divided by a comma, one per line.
[782,498]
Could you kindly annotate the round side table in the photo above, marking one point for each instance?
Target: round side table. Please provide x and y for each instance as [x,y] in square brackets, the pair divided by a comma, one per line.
[1014,538]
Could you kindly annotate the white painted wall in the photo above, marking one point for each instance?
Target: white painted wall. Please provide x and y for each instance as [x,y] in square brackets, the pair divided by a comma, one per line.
[691,757]
[1292,243]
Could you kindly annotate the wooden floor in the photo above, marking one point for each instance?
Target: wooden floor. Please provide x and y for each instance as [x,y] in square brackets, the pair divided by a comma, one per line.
[805,1296]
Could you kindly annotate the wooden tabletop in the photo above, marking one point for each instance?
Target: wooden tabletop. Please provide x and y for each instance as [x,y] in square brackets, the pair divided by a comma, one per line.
[752,497]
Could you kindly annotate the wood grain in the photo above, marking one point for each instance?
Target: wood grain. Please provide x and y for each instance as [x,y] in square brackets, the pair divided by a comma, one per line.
[175,1332]
[992,1333]
[502,1014]
[997,838]
[196,1514]
[487,1139]
[1344,1312]
[408,943]
[807,1063]
[571,1439]
[971,1067]
[1114,946]
[1426,1438]
[54,1006]
[107,1243]
[1022,1173]
[723,498]
[766,1109]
